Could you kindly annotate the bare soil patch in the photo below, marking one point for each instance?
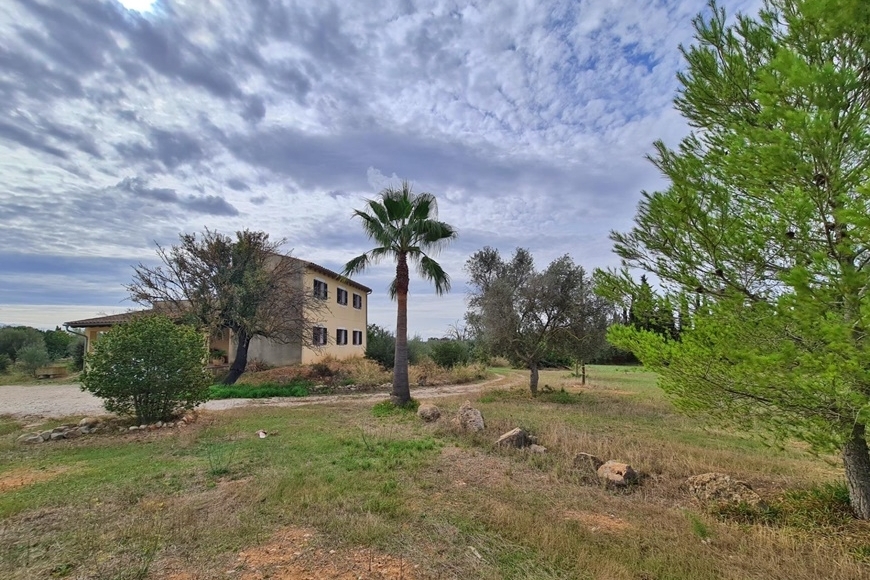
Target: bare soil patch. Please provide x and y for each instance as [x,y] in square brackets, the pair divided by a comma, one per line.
[296,554]
[23,477]
[597,522]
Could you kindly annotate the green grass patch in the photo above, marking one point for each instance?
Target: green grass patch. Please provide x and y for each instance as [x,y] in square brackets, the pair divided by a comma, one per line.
[8,425]
[388,408]
[116,505]
[821,506]
[561,397]
[262,391]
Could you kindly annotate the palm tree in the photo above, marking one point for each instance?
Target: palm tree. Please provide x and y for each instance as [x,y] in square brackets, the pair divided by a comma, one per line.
[405,227]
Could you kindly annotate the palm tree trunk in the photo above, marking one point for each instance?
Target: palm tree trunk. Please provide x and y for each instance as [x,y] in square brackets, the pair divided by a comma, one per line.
[856,460]
[241,360]
[401,394]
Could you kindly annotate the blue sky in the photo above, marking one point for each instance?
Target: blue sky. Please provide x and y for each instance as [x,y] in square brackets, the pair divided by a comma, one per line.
[529,121]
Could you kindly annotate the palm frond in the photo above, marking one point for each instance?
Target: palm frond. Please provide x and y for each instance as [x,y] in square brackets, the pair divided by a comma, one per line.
[398,207]
[432,271]
[434,234]
[375,229]
[377,208]
[356,265]
[425,207]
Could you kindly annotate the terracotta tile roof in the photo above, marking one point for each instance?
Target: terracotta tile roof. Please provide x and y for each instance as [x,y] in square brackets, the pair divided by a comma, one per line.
[343,279]
[110,320]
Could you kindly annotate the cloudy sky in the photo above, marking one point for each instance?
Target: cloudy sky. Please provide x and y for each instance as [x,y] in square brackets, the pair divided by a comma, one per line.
[126,123]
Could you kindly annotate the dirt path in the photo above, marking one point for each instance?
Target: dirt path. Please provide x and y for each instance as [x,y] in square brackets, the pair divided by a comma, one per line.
[66,400]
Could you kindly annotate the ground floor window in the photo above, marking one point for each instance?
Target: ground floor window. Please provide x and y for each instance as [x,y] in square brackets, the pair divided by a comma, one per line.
[357,337]
[319,336]
[341,336]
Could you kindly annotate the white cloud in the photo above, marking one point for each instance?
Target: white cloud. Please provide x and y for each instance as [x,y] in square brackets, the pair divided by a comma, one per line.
[528,120]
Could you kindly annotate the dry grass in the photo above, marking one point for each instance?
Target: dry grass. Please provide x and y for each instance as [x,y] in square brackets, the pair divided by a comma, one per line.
[391,497]
[362,372]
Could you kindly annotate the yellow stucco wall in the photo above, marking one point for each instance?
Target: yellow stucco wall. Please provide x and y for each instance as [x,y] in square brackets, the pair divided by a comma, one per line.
[93,333]
[335,317]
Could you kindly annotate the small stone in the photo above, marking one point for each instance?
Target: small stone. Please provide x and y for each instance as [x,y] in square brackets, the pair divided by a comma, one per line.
[159,424]
[121,430]
[73,433]
[535,448]
[516,437]
[90,422]
[170,424]
[133,428]
[428,412]
[46,435]
[143,427]
[61,429]
[617,473]
[57,436]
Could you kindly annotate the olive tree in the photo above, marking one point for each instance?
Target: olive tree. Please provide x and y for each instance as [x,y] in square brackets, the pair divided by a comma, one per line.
[527,315]
[244,284]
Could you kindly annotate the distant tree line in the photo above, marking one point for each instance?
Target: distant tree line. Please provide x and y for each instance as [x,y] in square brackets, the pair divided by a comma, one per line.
[30,348]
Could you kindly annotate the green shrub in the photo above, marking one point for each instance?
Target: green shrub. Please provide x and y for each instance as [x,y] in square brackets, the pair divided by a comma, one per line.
[5,362]
[149,367]
[449,353]
[57,343]
[417,350]
[380,346]
[77,352]
[31,357]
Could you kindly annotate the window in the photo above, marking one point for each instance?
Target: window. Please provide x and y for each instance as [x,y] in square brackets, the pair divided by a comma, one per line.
[319,336]
[342,296]
[357,301]
[341,336]
[320,289]
[357,337]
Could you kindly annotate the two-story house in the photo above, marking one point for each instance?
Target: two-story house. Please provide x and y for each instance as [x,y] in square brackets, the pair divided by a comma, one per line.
[339,332]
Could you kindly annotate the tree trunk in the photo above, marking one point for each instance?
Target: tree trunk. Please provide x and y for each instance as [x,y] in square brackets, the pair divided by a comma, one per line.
[241,360]
[583,374]
[856,460]
[533,379]
[401,394]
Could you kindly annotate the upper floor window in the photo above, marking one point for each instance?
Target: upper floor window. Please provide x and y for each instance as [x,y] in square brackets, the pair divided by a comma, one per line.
[341,294]
[319,336]
[357,301]
[320,289]
[341,336]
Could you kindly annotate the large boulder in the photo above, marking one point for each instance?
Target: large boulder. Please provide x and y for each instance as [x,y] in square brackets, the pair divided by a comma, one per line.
[617,473]
[470,418]
[514,438]
[428,412]
[722,489]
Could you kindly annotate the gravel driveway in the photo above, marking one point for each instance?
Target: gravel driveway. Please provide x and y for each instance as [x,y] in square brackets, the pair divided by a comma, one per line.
[66,400]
